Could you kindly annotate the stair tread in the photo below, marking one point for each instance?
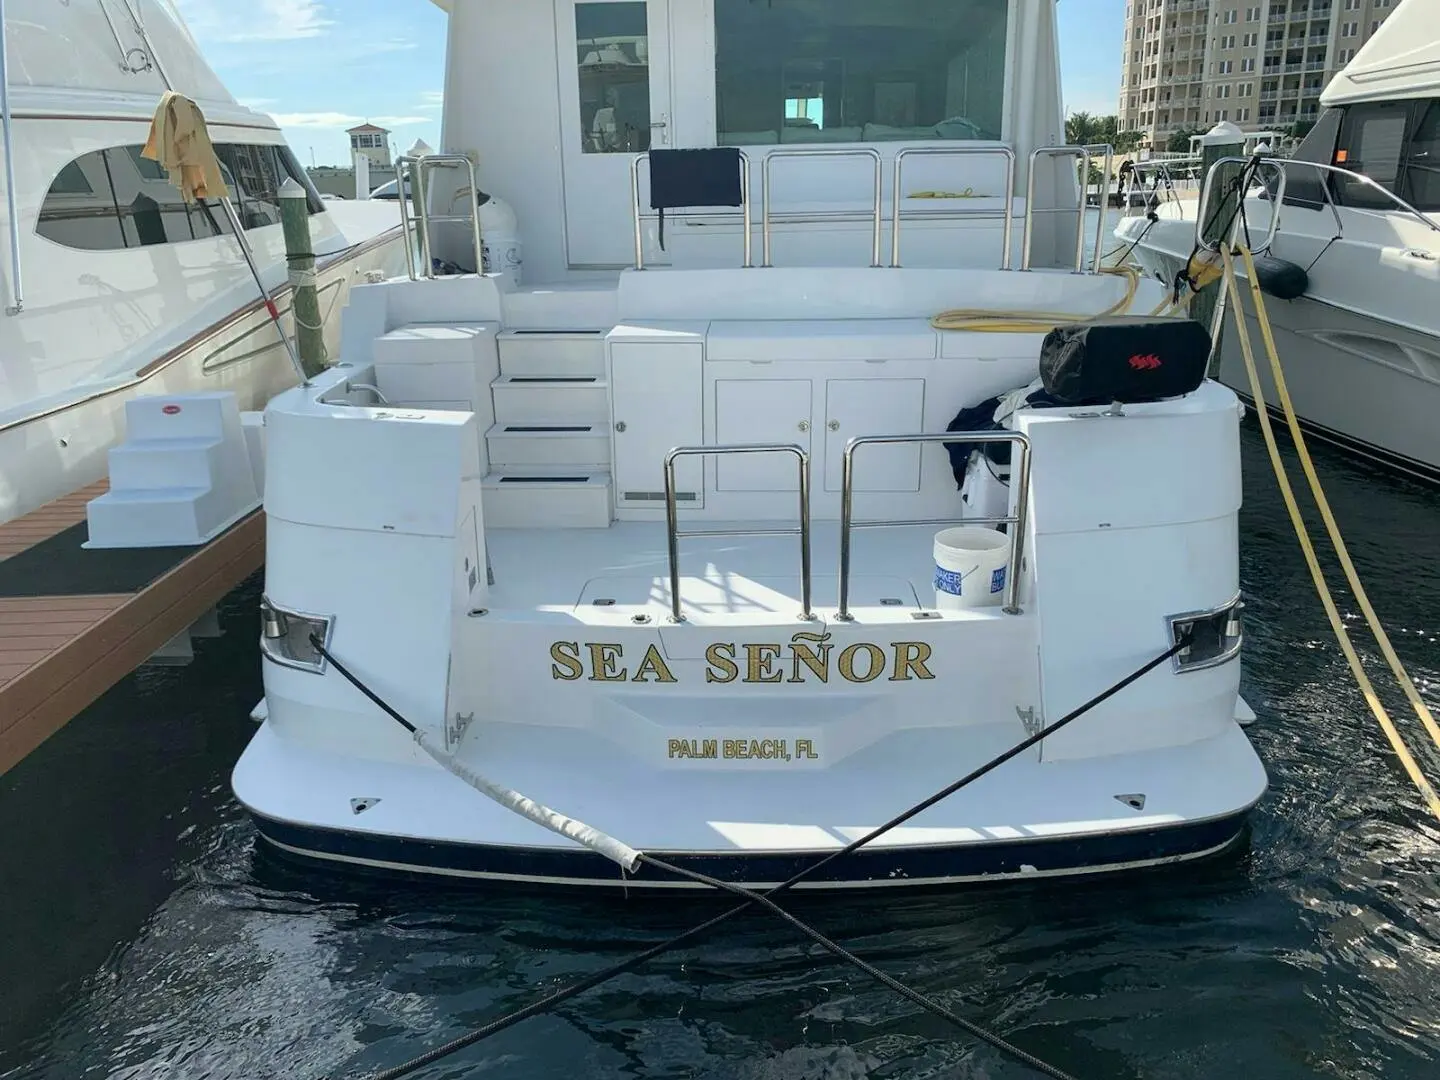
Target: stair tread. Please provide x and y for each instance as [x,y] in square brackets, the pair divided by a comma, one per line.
[539,430]
[192,442]
[165,494]
[547,476]
[542,335]
[583,381]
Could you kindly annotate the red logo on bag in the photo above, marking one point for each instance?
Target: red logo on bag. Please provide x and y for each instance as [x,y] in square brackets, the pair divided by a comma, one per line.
[171,410]
[1145,362]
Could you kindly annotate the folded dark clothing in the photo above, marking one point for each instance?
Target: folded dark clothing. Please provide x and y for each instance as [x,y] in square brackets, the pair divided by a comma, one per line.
[694,178]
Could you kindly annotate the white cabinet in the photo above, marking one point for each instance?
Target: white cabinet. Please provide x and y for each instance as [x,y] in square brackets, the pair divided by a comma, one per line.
[657,395]
[874,407]
[761,411]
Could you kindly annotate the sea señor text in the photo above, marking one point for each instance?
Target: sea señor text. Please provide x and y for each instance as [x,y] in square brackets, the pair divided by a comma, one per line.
[806,658]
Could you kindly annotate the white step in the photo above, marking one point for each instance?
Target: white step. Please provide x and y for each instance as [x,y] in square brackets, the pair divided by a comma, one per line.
[545,498]
[158,463]
[153,517]
[552,352]
[545,399]
[563,305]
[549,444]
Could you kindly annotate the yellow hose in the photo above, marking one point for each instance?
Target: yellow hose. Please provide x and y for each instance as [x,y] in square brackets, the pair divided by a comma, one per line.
[1034,322]
[1397,743]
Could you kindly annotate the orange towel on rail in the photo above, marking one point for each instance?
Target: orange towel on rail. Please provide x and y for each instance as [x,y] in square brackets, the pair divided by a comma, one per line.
[180,142]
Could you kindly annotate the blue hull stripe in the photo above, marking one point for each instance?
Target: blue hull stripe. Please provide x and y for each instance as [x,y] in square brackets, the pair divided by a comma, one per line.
[875,866]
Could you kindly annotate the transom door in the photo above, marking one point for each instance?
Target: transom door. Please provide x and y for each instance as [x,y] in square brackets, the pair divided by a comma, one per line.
[614,104]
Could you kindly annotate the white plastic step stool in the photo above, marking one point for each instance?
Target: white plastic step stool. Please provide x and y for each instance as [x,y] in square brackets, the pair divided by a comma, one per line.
[182,476]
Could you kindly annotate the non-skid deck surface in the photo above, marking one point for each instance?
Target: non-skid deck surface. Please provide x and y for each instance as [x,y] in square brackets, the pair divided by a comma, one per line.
[74,621]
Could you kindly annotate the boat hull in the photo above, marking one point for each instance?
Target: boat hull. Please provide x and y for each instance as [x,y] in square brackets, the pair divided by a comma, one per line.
[878,867]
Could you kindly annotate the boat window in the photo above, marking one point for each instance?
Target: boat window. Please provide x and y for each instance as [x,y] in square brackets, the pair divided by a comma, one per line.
[1372,139]
[834,71]
[113,199]
[613,58]
[1422,159]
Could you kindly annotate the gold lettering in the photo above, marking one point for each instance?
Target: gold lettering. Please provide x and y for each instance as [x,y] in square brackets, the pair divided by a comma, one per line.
[758,661]
[730,748]
[605,661]
[653,664]
[910,656]
[802,651]
[803,748]
[707,749]
[721,657]
[873,672]
[675,747]
[566,657]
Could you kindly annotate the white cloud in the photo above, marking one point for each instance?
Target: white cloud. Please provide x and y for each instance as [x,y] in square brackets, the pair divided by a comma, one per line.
[430,100]
[262,20]
[345,120]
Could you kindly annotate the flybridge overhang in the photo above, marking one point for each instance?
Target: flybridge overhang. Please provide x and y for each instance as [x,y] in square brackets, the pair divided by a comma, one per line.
[1401,62]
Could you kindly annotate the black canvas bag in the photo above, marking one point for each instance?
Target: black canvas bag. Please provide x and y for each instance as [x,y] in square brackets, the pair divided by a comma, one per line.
[1124,359]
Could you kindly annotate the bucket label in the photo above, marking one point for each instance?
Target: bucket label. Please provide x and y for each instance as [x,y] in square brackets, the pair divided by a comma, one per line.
[997,581]
[948,581]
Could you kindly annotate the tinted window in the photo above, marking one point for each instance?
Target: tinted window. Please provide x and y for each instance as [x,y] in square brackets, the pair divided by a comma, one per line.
[112,199]
[817,71]
[1372,140]
[613,57]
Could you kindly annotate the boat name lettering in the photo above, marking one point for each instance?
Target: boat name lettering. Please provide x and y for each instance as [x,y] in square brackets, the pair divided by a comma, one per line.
[807,657]
[742,750]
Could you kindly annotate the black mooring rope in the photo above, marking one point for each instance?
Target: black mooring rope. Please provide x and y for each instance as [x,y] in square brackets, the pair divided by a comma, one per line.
[929,1004]
[751,897]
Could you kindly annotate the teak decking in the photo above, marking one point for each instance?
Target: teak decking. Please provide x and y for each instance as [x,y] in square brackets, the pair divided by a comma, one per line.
[60,650]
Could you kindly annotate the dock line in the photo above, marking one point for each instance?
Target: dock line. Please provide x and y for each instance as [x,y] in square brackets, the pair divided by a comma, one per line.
[751,896]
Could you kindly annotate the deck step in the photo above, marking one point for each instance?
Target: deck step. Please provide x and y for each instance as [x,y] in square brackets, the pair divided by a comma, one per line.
[548,497]
[552,352]
[549,444]
[551,399]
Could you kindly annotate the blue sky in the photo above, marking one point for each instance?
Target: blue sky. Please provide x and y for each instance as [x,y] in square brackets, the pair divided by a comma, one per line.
[321,66]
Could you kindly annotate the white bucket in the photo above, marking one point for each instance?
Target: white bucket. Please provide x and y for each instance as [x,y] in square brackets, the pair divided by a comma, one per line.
[971,565]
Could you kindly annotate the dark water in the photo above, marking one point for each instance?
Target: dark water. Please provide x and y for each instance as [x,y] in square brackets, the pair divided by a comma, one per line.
[144,936]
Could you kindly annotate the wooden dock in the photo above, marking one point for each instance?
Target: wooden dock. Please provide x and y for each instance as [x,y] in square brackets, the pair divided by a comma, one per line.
[75,622]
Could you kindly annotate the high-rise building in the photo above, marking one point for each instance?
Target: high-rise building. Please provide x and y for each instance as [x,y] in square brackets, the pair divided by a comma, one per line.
[1260,64]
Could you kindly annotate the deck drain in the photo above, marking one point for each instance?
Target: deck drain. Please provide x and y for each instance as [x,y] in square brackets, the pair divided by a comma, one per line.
[1135,801]
[359,806]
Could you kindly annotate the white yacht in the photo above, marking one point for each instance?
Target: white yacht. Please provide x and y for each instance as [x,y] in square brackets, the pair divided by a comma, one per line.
[113,286]
[1361,347]
[646,533]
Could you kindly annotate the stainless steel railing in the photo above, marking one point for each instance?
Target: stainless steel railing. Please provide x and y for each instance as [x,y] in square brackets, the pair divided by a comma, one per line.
[1084,153]
[672,521]
[896,199]
[640,217]
[17,288]
[410,184]
[877,214]
[1020,469]
[1278,193]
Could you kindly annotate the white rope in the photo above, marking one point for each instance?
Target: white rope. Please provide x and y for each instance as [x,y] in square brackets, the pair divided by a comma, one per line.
[586,835]
[300,279]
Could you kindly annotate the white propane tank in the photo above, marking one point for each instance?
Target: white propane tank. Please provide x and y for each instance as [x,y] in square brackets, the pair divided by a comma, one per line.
[500,239]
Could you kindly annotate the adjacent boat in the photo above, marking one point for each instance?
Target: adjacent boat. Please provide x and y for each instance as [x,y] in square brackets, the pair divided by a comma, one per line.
[1362,346]
[113,286]
[643,528]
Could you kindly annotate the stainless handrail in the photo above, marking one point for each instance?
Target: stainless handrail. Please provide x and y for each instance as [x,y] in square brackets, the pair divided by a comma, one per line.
[412,168]
[672,521]
[1083,153]
[1102,189]
[877,213]
[952,151]
[639,218]
[125,53]
[17,289]
[1017,521]
[152,55]
[1277,197]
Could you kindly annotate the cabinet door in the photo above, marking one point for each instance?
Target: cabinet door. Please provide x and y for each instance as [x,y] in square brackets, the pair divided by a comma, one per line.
[761,411]
[657,393]
[874,407]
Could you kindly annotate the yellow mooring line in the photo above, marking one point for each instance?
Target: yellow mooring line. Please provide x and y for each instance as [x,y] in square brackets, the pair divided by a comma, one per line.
[1387,725]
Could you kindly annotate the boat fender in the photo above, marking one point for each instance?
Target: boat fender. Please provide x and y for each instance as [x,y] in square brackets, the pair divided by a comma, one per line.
[1280,278]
